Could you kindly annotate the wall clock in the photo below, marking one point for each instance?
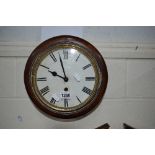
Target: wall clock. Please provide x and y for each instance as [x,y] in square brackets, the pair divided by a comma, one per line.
[65,77]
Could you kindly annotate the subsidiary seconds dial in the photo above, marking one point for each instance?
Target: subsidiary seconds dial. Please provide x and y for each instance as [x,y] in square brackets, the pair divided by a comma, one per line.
[65,77]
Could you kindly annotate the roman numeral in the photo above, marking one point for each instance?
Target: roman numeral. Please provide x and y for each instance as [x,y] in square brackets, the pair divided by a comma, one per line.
[52,100]
[78,99]
[44,66]
[65,53]
[44,90]
[85,67]
[87,90]
[53,57]
[42,79]
[65,103]
[77,58]
[89,78]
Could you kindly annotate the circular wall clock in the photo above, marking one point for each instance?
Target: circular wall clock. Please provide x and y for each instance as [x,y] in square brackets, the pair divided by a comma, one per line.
[66,77]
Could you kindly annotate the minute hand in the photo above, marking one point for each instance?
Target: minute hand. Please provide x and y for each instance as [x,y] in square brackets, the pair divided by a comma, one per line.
[62,66]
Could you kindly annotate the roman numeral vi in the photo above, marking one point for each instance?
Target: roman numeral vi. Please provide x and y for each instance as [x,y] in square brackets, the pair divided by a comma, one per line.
[66,103]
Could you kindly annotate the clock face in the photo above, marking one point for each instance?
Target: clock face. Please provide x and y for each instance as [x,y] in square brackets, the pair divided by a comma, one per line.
[79,71]
[64,79]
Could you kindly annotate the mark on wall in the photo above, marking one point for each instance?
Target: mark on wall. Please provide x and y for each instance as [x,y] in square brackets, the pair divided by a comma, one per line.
[19,118]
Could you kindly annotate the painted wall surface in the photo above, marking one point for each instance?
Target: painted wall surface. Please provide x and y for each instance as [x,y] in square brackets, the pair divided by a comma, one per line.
[104,34]
[22,34]
[120,34]
[130,95]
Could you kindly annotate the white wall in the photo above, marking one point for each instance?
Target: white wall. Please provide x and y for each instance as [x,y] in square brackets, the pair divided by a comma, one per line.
[130,57]
[121,34]
[22,34]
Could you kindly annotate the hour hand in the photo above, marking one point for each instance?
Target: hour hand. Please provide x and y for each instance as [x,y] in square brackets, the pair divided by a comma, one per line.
[55,74]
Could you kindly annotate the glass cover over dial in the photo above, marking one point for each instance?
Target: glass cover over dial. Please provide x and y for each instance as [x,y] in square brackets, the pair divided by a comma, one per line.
[66,78]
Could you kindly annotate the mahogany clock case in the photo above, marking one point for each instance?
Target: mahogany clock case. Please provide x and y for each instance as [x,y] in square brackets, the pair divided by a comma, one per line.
[69,40]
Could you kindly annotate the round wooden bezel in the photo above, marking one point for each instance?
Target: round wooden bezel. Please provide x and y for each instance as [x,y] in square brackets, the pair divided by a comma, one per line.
[70,40]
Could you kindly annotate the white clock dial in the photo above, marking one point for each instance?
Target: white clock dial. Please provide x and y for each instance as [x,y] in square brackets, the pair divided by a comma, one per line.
[66,78]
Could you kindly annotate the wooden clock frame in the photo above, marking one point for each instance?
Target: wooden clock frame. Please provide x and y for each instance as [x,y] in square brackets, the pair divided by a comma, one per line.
[69,40]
